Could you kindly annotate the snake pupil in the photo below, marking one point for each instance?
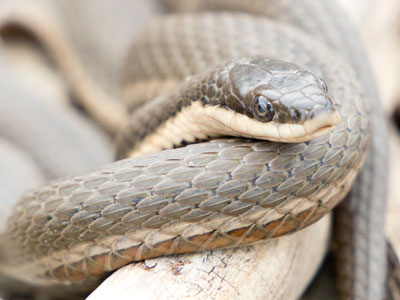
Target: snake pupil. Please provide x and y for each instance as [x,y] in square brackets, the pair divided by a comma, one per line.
[262,107]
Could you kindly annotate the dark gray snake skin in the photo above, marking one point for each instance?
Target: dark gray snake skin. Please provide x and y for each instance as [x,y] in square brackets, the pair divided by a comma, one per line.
[219,194]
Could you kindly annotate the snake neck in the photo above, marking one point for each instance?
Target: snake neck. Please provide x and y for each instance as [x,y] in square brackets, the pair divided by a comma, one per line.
[178,118]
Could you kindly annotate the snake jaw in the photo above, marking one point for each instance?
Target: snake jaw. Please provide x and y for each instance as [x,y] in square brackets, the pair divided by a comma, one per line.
[321,124]
[236,124]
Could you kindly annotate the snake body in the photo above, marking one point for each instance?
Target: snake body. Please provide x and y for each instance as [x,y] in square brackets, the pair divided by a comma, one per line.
[223,193]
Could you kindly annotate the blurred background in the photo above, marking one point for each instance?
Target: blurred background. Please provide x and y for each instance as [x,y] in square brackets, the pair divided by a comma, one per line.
[45,134]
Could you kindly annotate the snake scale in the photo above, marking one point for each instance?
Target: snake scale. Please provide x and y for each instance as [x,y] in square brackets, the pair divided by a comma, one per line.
[223,193]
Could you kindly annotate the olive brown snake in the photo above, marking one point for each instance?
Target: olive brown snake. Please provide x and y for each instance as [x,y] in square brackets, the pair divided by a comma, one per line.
[233,183]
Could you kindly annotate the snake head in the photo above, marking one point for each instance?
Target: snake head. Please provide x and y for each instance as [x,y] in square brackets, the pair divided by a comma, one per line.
[275,100]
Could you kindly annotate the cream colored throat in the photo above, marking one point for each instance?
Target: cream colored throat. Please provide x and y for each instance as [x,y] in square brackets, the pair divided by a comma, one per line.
[191,123]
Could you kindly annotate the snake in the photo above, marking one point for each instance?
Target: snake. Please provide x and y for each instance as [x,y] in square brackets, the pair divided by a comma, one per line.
[305,129]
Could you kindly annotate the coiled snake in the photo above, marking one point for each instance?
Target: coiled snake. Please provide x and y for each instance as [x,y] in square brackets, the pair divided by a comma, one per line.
[240,75]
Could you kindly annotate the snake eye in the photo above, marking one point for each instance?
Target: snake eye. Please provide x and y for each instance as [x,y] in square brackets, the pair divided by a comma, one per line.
[262,109]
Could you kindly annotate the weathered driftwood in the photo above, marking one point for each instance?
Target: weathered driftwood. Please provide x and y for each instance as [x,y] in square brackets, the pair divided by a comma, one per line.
[277,269]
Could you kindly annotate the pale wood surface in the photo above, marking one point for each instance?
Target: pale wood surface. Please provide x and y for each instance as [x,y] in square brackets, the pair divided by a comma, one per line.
[277,269]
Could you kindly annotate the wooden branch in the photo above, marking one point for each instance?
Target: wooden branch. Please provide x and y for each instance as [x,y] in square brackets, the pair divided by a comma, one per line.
[277,269]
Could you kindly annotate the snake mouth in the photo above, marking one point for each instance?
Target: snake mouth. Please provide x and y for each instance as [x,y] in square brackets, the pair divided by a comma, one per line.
[236,124]
[202,122]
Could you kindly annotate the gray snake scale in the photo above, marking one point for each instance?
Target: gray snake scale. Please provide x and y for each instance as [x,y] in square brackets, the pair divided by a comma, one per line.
[223,193]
